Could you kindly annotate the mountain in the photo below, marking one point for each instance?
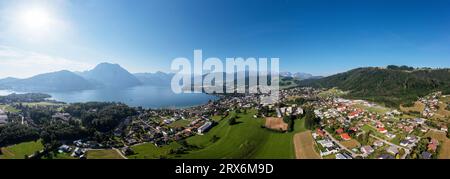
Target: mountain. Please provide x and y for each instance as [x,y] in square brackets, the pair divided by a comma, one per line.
[48,82]
[110,75]
[155,79]
[391,86]
[298,75]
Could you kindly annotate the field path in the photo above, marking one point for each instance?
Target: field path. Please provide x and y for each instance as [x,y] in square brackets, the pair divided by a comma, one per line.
[304,146]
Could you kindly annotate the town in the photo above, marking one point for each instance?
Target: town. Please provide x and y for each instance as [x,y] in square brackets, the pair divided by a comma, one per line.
[332,127]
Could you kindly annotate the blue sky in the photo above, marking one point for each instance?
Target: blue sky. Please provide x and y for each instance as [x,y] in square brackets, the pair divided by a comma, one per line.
[313,36]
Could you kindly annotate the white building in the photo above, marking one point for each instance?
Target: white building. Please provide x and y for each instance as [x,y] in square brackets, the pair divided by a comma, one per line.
[204,127]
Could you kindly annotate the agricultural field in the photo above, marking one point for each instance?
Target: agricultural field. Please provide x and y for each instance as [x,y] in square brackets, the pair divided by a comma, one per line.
[19,151]
[8,108]
[245,140]
[418,107]
[150,151]
[305,146]
[444,152]
[104,154]
[276,124]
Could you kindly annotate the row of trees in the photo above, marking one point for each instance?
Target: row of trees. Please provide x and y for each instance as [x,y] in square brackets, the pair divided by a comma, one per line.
[311,121]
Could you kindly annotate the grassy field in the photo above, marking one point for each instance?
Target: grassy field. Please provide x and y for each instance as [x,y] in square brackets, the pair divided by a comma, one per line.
[333,92]
[103,154]
[373,109]
[57,155]
[366,128]
[351,144]
[150,151]
[245,140]
[418,107]
[305,146]
[43,104]
[8,108]
[19,151]
[180,123]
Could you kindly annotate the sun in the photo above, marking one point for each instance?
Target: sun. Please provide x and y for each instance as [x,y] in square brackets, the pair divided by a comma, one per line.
[35,19]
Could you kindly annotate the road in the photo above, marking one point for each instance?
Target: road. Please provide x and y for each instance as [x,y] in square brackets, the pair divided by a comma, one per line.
[407,150]
[354,155]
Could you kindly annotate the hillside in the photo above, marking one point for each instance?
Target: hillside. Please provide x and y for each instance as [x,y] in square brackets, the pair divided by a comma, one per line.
[391,86]
[48,82]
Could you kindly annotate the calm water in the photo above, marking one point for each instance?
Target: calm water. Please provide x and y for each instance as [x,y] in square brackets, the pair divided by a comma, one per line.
[145,96]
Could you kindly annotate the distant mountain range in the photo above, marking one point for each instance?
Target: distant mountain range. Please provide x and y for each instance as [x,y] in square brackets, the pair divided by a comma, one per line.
[104,75]
[298,75]
[392,85]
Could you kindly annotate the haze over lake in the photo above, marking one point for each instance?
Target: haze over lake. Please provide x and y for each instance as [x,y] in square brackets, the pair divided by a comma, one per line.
[145,96]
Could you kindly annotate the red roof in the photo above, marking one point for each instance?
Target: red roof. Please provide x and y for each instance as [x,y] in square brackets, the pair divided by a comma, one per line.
[320,132]
[340,131]
[345,136]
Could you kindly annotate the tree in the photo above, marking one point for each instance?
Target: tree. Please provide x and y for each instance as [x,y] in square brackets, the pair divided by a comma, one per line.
[232,121]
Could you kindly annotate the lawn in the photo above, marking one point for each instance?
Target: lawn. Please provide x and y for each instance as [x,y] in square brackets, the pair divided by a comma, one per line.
[367,128]
[245,140]
[150,151]
[103,154]
[19,151]
[351,144]
[180,123]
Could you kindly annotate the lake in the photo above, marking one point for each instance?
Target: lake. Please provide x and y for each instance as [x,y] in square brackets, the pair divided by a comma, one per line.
[145,96]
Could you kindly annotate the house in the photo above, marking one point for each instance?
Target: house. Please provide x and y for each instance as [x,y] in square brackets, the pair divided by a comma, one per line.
[325,143]
[341,156]
[426,155]
[340,131]
[320,133]
[444,128]
[390,135]
[405,143]
[205,127]
[392,150]
[62,116]
[432,146]
[382,130]
[367,150]
[378,143]
[345,136]
[64,149]
[385,156]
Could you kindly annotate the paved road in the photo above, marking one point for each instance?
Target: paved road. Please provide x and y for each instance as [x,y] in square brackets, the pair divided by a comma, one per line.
[354,155]
[407,150]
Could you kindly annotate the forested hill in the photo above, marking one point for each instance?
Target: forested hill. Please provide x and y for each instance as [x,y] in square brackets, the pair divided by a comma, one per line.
[392,86]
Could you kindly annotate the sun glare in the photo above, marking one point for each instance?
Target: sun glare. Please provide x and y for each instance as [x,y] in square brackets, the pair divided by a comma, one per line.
[35,19]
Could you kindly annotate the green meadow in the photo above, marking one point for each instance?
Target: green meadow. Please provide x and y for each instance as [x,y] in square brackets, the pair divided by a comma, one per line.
[19,151]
